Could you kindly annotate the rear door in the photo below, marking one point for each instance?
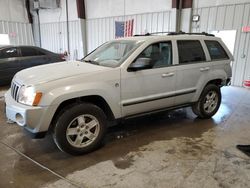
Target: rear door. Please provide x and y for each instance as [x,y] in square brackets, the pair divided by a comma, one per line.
[9,64]
[193,70]
[32,57]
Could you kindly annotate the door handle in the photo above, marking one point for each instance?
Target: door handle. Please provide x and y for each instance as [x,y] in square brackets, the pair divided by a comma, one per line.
[167,74]
[204,69]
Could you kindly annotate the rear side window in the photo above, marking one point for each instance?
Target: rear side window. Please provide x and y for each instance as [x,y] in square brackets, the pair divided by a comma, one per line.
[8,53]
[26,51]
[190,51]
[216,51]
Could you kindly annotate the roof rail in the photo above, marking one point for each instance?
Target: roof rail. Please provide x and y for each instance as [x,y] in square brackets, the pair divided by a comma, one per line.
[184,33]
[146,34]
[153,33]
[175,33]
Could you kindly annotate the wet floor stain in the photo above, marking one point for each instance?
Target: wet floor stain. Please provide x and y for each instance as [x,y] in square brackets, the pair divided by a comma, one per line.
[123,163]
[165,163]
[171,151]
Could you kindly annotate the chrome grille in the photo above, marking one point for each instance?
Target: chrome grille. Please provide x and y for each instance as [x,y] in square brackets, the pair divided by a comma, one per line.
[15,90]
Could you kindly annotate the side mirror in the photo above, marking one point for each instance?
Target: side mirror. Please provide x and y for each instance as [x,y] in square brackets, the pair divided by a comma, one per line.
[140,64]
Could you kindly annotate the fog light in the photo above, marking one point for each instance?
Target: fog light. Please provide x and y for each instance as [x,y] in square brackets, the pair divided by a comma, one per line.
[19,119]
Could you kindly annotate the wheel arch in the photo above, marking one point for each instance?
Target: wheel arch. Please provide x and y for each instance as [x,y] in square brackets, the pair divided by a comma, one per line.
[218,82]
[93,99]
[199,109]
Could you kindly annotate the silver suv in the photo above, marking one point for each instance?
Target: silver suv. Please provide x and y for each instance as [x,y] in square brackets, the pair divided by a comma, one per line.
[122,78]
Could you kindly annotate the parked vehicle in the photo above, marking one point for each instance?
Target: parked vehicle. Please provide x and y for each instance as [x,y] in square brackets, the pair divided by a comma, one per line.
[121,79]
[16,58]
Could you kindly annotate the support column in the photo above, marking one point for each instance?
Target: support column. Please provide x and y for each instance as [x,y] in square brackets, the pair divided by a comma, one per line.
[82,16]
[175,13]
[67,25]
[186,16]
[34,20]
[183,14]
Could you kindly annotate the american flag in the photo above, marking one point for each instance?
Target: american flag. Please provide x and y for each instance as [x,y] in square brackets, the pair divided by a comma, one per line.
[124,28]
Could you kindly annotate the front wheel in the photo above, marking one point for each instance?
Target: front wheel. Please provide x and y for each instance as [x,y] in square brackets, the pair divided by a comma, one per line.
[208,103]
[80,129]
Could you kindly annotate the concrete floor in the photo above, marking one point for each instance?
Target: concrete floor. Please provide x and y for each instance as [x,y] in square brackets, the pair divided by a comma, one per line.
[166,150]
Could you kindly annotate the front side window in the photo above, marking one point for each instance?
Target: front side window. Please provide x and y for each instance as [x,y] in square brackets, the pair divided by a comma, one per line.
[190,51]
[113,53]
[160,54]
[216,51]
[8,53]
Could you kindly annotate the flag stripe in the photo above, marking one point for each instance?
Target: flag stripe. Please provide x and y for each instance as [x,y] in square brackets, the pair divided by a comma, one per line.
[124,28]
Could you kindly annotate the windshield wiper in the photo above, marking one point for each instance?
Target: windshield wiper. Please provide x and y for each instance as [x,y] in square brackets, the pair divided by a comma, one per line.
[91,61]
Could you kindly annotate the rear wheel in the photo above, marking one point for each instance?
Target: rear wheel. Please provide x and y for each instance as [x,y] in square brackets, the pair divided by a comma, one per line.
[80,129]
[208,103]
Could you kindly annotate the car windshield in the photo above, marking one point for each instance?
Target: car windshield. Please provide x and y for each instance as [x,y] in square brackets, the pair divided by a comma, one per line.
[112,54]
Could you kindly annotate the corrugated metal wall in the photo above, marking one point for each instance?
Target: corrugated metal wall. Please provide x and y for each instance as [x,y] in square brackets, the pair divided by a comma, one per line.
[54,38]
[19,33]
[100,30]
[229,17]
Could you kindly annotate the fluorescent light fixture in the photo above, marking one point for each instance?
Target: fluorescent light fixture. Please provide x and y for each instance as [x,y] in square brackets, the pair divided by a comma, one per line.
[196,18]
[4,39]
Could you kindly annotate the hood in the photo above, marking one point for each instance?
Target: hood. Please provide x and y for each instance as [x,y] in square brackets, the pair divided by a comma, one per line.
[46,73]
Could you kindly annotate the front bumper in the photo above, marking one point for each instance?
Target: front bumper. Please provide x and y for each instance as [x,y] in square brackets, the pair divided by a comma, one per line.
[33,119]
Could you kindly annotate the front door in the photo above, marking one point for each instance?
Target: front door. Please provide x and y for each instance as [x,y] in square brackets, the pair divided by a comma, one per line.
[152,88]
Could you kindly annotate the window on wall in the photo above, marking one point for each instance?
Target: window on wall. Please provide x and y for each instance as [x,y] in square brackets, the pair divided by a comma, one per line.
[8,53]
[216,51]
[159,53]
[4,39]
[190,51]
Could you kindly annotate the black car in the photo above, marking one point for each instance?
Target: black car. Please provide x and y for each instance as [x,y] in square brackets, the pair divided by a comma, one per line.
[16,58]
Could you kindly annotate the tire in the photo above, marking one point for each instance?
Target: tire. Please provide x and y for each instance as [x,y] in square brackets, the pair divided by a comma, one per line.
[80,129]
[208,103]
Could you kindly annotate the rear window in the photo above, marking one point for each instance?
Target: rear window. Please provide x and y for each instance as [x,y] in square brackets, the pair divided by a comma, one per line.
[216,51]
[190,51]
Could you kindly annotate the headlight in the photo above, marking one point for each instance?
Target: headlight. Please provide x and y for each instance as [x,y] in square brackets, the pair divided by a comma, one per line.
[28,96]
